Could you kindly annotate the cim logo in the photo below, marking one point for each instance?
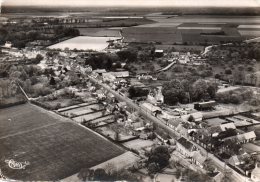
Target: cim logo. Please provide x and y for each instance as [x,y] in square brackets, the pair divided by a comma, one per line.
[2,176]
[17,165]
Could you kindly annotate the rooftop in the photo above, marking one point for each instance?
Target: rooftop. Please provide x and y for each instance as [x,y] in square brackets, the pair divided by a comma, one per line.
[185,143]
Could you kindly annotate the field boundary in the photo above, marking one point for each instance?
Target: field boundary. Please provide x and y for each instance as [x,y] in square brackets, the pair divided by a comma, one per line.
[76,107]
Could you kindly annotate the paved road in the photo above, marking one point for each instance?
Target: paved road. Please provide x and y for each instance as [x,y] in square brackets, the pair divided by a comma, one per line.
[146,114]
[219,164]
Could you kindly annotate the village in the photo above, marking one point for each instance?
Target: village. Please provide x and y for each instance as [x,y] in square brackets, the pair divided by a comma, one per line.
[133,95]
[129,108]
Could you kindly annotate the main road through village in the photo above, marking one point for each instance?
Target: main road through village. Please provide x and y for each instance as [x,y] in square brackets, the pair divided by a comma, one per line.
[220,165]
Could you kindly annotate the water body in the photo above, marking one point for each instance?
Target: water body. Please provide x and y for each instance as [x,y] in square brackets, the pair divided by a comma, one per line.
[84,43]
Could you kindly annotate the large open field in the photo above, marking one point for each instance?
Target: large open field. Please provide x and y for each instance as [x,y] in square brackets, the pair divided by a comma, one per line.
[54,147]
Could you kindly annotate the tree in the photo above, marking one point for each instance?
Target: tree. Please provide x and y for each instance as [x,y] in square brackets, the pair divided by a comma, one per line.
[137,92]
[153,168]
[162,76]
[191,119]
[211,90]
[100,174]
[86,174]
[209,166]
[253,78]
[239,76]
[199,89]
[174,92]
[159,156]
[129,54]
[117,136]
[228,72]
[195,176]
[38,59]
[52,81]
[27,85]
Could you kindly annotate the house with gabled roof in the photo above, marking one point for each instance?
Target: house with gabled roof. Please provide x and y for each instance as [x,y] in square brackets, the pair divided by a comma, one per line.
[185,147]
[236,160]
[243,138]
[198,159]
[173,123]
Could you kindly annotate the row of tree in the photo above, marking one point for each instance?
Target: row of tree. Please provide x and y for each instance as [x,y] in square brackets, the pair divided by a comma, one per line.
[107,174]
[20,37]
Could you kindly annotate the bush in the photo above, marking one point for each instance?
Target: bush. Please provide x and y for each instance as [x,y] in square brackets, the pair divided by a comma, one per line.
[234,97]
[217,76]
[228,72]
[250,68]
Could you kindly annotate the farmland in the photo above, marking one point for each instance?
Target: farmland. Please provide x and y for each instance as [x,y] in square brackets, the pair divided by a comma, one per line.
[149,34]
[191,35]
[212,19]
[99,32]
[43,138]
[188,29]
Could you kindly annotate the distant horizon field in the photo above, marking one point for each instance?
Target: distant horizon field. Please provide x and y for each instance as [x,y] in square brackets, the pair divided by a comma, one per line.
[84,43]
[99,32]
[55,147]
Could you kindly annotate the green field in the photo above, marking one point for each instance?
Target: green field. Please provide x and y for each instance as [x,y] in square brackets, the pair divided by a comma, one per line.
[55,147]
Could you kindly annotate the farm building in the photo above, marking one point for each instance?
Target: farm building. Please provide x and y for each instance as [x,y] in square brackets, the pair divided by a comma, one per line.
[216,130]
[158,52]
[198,116]
[120,74]
[151,108]
[202,106]
[243,138]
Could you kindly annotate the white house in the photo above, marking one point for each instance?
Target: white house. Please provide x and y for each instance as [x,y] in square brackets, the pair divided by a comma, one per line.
[198,159]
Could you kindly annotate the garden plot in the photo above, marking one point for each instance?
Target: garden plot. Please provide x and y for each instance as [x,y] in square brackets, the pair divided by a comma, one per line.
[103,120]
[88,117]
[107,131]
[74,106]
[82,110]
[138,144]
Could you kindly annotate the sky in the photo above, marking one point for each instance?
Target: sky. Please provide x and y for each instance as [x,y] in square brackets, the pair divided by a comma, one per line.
[140,3]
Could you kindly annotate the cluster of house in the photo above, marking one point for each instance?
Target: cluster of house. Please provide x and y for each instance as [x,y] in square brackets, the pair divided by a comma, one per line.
[217,135]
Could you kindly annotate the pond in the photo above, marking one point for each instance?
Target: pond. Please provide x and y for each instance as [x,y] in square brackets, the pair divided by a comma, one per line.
[84,43]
